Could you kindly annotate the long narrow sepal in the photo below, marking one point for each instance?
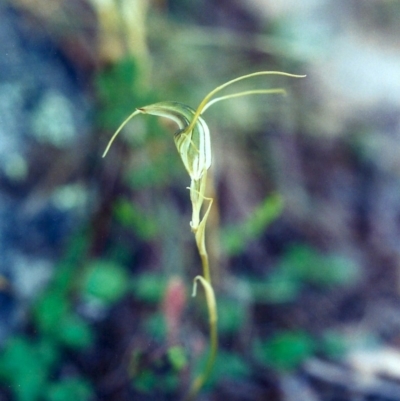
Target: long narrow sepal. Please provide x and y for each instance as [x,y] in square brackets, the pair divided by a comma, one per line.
[203,105]
[136,112]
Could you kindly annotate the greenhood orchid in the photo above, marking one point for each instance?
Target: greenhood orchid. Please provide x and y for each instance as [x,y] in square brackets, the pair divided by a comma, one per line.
[192,140]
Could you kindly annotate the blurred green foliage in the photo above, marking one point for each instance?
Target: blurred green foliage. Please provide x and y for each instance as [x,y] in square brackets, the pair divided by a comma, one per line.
[299,266]
[234,239]
[302,262]
[228,365]
[128,214]
[28,362]
[146,381]
[149,287]
[333,344]
[154,326]
[118,91]
[105,281]
[157,171]
[177,357]
[286,350]
[277,287]
[158,374]
[231,315]
[26,365]
[69,389]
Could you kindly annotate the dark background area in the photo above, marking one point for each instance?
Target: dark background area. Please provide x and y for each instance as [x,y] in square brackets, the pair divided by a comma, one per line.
[96,255]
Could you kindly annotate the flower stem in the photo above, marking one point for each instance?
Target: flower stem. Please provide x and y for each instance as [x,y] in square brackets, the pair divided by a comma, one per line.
[212,311]
[205,280]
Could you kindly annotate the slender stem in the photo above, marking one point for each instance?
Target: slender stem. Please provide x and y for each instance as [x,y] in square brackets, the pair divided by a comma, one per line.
[200,236]
[205,280]
[203,377]
[205,266]
[212,311]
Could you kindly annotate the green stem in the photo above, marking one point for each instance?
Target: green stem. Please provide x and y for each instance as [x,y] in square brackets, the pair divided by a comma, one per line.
[198,383]
[206,267]
[205,280]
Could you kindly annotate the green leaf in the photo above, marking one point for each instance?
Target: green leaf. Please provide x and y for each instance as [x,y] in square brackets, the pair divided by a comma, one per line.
[66,269]
[227,365]
[231,315]
[54,318]
[277,287]
[75,332]
[145,382]
[69,390]
[269,210]
[155,326]
[105,281]
[235,238]
[340,270]
[177,357]
[22,366]
[15,354]
[149,287]
[286,350]
[28,385]
[48,310]
[48,352]
[129,215]
[333,344]
[307,264]
[117,90]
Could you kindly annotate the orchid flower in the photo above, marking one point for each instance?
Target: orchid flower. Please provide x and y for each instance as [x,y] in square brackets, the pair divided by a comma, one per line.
[192,140]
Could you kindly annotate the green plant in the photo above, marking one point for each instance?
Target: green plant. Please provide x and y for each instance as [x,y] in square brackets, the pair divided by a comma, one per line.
[193,144]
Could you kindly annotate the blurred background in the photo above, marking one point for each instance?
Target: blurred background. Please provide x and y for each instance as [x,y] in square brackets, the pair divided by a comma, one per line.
[96,255]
